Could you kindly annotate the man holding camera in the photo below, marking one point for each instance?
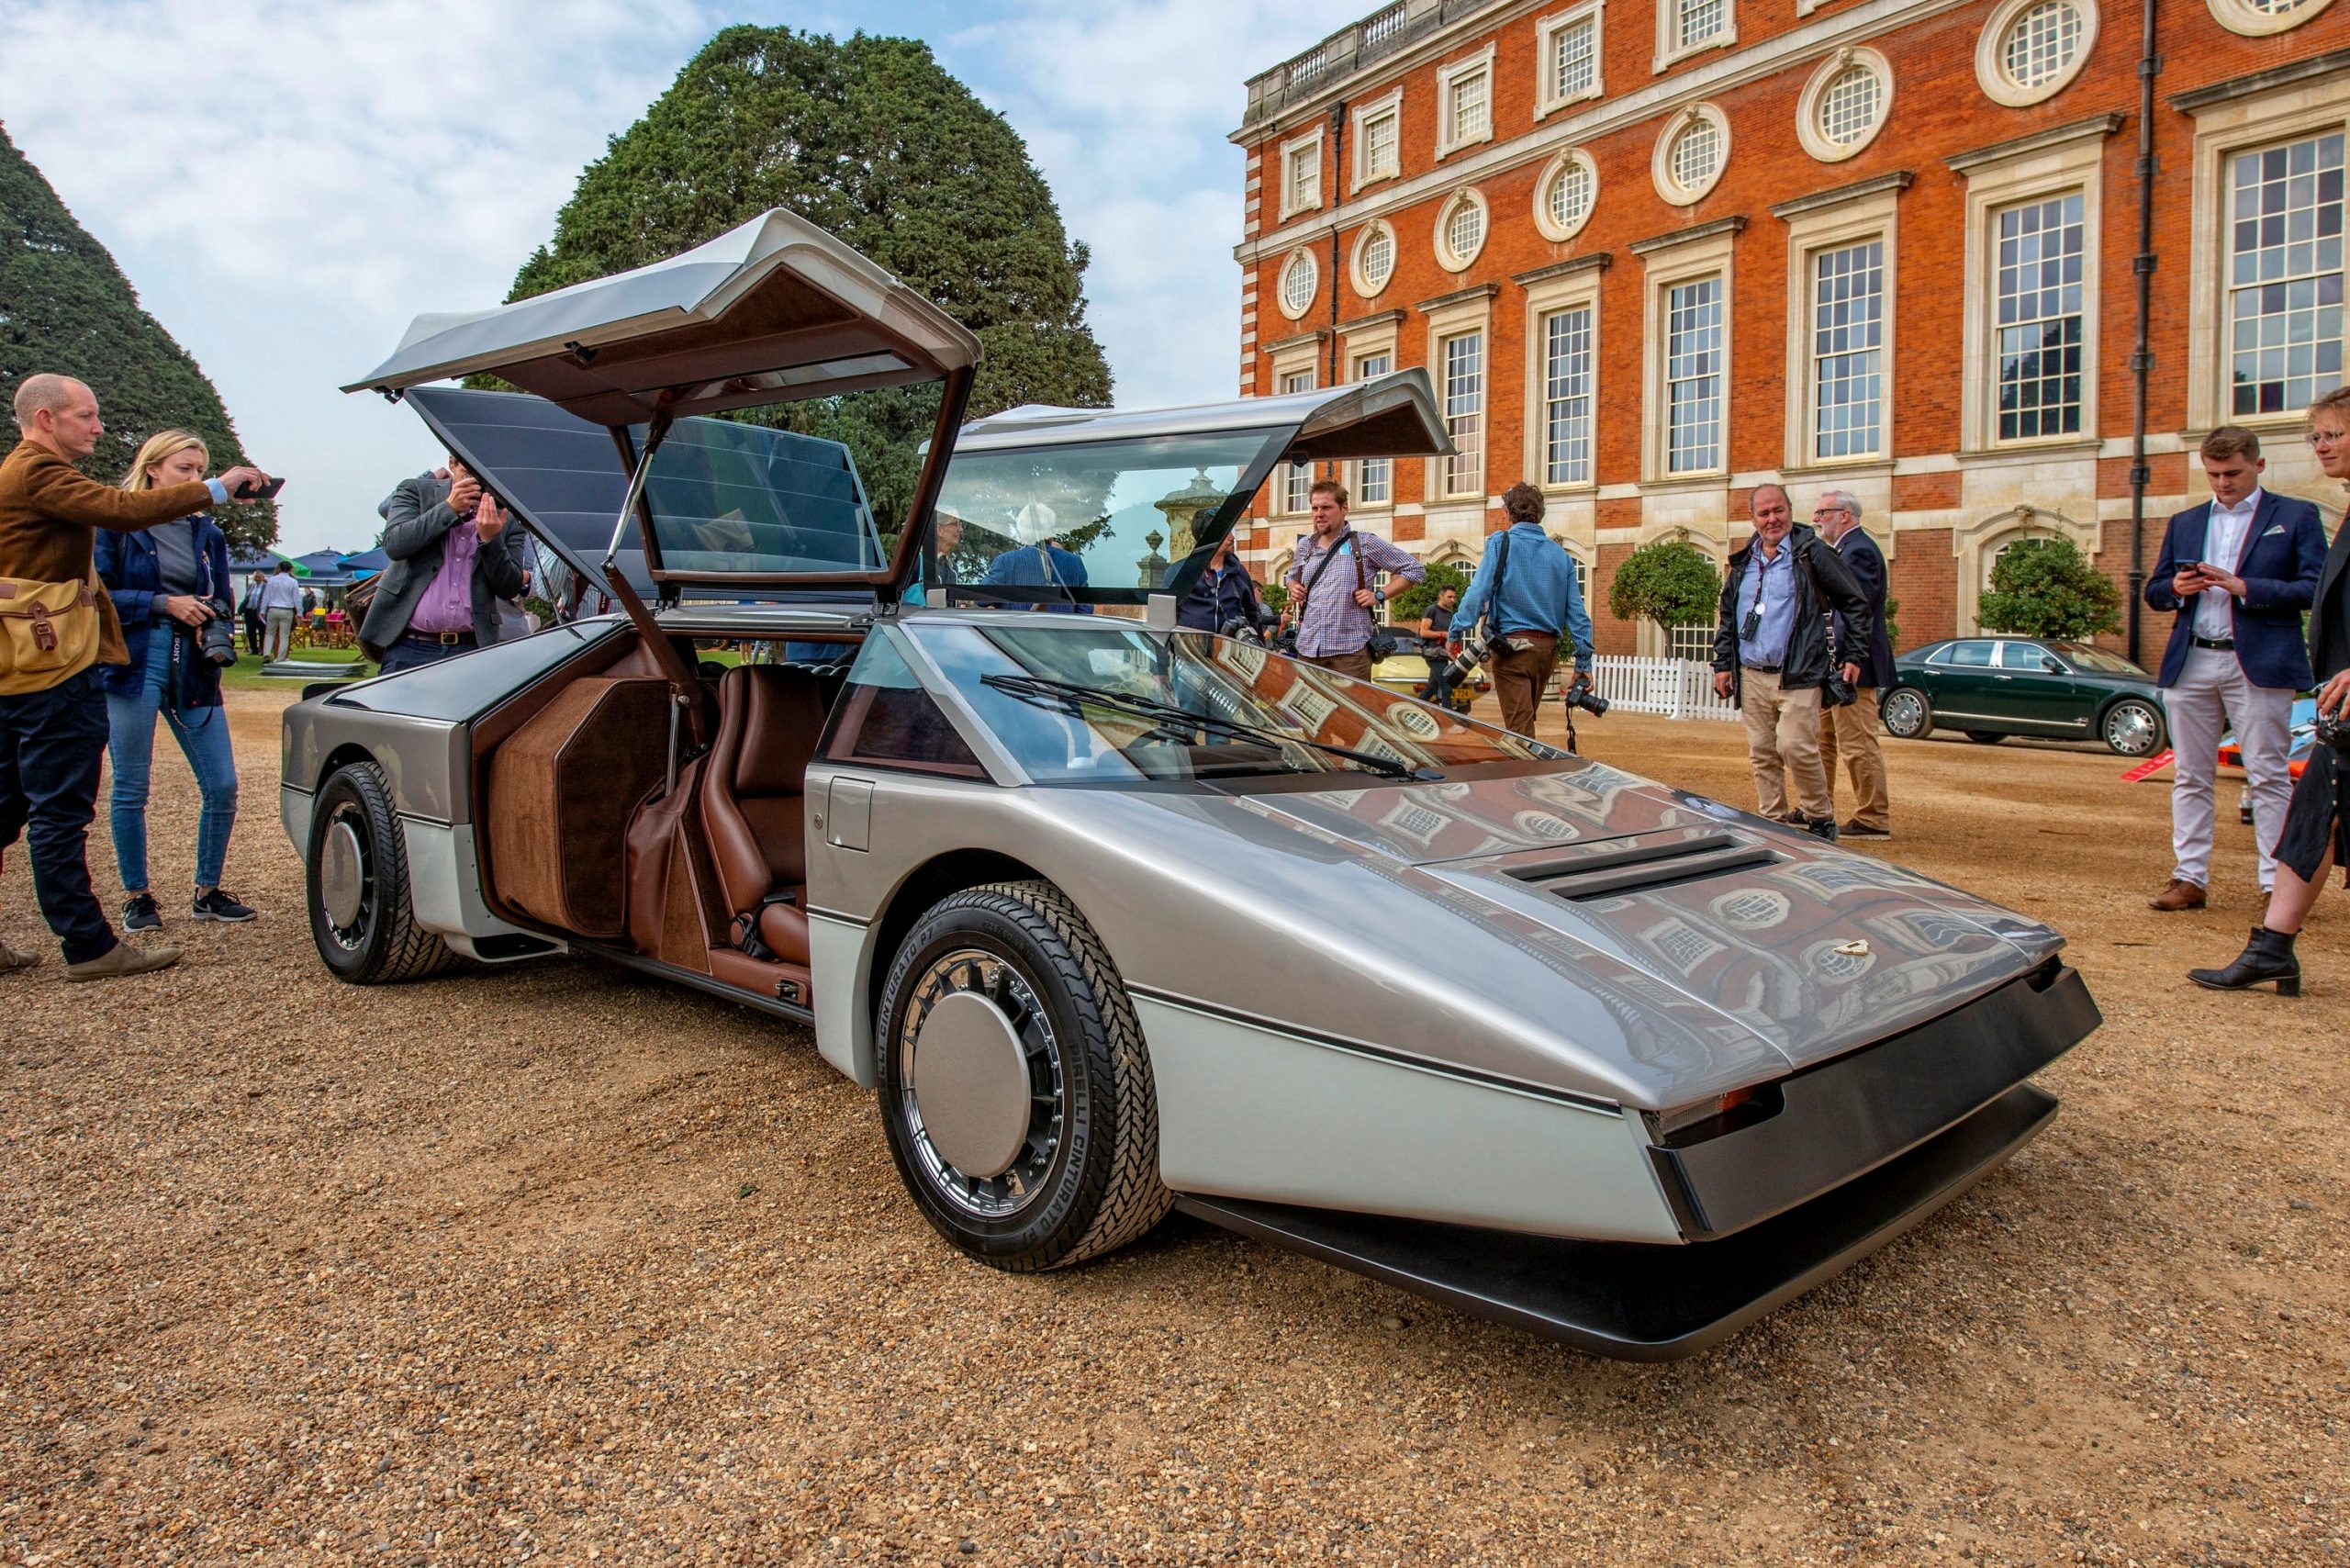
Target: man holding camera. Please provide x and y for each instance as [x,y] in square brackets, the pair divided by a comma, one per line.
[1770,650]
[1338,619]
[1849,729]
[1526,588]
[1224,597]
[2239,571]
[453,559]
[53,717]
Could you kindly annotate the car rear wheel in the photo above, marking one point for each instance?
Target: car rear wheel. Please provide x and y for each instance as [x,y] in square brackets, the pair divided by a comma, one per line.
[1907,713]
[2131,728]
[1985,737]
[360,919]
[1013,1083]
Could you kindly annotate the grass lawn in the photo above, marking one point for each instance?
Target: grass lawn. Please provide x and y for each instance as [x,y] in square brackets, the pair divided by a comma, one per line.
[246,675]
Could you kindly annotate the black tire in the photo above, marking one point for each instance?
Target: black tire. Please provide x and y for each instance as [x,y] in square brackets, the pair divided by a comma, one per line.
[1985,737]
[2131,727]
[1906,713]
[382,945]
[1085,1180]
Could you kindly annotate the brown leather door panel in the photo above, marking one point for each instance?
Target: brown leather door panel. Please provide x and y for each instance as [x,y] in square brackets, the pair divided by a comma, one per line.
[561,790]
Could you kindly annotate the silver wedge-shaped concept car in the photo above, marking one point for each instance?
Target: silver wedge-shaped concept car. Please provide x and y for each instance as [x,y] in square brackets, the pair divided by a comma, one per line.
[1105,912]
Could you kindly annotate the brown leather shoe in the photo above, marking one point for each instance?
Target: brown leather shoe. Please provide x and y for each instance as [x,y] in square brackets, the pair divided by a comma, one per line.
[2177,896]
[123,958]
[11,959]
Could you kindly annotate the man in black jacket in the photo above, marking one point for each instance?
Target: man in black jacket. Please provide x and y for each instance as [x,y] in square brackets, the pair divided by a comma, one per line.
[1850,731]
[1771,649]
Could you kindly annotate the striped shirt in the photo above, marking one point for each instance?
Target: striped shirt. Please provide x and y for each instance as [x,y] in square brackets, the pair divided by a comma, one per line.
[1330,621]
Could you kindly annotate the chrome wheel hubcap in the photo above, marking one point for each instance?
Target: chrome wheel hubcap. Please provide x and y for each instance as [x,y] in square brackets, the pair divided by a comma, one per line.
[346,880]
[979,1083]
[2130,730]
[1901,713]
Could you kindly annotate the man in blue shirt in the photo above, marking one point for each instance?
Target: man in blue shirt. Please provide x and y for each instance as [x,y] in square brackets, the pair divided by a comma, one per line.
[1526,588]
[1222,595]
[1039,561]
[1771,647]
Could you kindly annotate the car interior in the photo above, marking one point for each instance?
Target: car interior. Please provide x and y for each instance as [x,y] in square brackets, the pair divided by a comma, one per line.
[584,829]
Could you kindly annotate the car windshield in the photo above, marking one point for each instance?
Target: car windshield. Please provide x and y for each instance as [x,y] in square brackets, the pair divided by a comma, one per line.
[2080,656]
[1087,515]
[1113,702]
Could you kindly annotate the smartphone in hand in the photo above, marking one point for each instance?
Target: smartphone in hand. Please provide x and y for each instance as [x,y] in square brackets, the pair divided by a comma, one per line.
[249,491]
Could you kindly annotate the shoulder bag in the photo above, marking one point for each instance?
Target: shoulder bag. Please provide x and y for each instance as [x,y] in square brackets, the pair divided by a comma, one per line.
[49,632]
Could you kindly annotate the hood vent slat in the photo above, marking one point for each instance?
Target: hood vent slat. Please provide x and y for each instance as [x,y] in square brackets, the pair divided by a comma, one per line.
[1604,873]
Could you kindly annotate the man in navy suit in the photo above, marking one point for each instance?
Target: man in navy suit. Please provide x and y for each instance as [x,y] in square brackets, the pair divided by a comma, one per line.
[1850,732]
[2239,570]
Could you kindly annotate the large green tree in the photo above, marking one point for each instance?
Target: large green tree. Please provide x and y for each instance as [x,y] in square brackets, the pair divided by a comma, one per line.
[870,139]
[65,307]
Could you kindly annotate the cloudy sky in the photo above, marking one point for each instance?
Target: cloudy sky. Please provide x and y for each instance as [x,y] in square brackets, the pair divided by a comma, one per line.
[286,181]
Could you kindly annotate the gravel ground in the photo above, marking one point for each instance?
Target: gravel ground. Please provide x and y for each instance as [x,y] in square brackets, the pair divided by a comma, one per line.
[555,1262]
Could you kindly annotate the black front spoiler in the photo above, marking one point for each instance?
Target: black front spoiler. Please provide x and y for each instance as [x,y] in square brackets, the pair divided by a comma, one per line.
[1651,1303]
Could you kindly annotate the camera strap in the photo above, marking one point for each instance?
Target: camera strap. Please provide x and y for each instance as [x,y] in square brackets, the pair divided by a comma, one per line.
[1501,575]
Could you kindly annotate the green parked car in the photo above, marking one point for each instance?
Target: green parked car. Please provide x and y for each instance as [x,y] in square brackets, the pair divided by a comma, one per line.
[1992,687]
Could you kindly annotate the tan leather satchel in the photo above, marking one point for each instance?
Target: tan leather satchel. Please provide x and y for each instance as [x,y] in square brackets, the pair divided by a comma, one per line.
[49,632]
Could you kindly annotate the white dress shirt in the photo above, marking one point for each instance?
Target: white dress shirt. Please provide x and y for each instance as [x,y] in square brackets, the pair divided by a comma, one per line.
[2223,541]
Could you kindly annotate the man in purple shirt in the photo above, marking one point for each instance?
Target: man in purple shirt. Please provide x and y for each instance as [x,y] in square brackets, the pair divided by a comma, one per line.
[1334,589]
[453,557]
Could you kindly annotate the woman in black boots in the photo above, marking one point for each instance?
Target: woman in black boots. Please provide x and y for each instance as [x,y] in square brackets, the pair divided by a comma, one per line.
[2316,836]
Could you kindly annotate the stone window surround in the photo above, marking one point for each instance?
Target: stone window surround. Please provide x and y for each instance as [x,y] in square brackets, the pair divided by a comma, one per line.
[1990,69]
[1388,105]
[1444,256]
[2283,106]
[1660,159]
[1683,256]
[1362,285]
[1868,209]
[2253,22]
[1305,254]
[2044,165]
[1446,75]
[1449,315]
[1668,47]
[1290,149]
[1975,546]
[1546,33]
[1552,231]
[1358,341]
[1287,358]
[1549,290]
[1807,130]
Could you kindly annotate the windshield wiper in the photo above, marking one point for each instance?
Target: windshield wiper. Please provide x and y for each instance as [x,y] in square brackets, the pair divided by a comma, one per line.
[1047,691]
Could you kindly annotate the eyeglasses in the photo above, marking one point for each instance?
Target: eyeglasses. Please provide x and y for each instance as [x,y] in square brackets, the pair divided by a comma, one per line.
[2326,438]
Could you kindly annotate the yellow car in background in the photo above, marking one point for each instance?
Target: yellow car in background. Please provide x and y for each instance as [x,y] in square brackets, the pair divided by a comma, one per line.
[1406,670]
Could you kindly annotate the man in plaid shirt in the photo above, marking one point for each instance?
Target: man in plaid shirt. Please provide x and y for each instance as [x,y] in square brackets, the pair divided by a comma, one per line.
[1332,587]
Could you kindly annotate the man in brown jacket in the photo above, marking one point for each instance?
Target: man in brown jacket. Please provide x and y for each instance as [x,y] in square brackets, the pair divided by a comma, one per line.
[51,742]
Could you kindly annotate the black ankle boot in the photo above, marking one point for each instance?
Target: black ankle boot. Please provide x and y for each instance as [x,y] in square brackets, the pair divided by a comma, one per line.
[2267,956]
[1821,827]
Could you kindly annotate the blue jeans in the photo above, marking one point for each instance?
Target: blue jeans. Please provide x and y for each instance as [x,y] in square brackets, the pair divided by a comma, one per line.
[404,654]
[50,744]
[203,734]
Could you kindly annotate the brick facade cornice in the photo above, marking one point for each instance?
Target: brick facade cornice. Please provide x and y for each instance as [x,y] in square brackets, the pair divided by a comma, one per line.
[1458,297]
[2308,69]
[1859,190]
[2037,141]
[1304,340]
[1598,261]
[1734,224]
[1365,323]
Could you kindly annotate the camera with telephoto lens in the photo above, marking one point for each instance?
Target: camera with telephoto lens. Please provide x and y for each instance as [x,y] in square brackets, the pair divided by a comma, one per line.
[217,641]
[1579,694]
[1474,650]
[1241,630]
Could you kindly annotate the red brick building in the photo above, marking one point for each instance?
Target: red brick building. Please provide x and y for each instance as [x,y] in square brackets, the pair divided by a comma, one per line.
[1655,254]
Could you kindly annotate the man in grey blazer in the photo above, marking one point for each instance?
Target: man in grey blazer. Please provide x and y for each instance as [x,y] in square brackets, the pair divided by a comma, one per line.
[453,557]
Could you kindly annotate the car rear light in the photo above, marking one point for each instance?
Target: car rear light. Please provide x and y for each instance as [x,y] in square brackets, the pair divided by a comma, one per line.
[1703,1119]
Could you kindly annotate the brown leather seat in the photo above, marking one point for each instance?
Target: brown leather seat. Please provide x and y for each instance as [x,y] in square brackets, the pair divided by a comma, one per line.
[768,719]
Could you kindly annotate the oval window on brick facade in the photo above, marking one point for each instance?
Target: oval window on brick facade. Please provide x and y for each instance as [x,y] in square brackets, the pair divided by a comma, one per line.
[2258,18]
[1565,194]
[1461,230]
[2029,49]
[1300,280]
[1691,153]
[1374,261]
[1844,104]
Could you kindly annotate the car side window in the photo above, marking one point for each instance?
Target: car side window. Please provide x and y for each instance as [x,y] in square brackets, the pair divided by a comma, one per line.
[885,717]
[2029,656]
[1977,655]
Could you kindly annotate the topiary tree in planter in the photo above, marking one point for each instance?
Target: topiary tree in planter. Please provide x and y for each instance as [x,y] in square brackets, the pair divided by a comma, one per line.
[2046,588]
[1670,581]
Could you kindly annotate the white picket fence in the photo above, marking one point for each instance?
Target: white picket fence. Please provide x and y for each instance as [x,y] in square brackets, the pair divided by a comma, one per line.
[1678,689]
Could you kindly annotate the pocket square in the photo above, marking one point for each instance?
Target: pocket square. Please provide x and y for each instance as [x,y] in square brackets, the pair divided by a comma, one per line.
[2274,528]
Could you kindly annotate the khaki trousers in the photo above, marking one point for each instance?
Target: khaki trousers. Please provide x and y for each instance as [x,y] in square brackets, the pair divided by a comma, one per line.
[1522,675]
[1850,732]
[1357,664]
[1783,737]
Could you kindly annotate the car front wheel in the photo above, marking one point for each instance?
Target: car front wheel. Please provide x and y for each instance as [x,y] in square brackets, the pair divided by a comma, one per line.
[1013,1083]
[2132,728]
[360,919]
[1907,713]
